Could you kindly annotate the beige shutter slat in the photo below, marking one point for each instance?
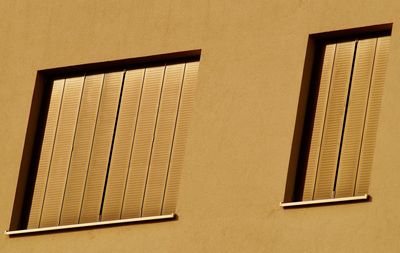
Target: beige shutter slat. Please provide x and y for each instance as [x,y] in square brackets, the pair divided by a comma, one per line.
[372,117]
[123,142]
[46,153]
[355,118]
[141,150]
[62,152]
[181,132]
[318,124]
[82,147]
[334,120]
[101,148]
[164,134]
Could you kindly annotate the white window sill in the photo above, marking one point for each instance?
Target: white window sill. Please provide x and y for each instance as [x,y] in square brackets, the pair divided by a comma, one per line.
[323,201]
[91,224]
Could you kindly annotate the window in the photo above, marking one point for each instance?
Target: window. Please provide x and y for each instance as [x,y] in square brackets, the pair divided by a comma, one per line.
[341,119]
[112,145]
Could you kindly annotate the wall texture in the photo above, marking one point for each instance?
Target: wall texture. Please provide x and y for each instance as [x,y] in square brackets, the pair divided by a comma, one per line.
[242,127]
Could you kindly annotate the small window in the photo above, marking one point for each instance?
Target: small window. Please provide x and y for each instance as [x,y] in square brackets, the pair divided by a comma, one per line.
[341,119]
[112,145]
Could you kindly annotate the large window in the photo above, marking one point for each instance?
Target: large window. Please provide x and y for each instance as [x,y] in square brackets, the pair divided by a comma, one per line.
[112,145]
[341,120]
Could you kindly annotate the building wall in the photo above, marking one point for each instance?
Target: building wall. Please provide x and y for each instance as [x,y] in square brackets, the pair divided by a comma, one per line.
[243,122]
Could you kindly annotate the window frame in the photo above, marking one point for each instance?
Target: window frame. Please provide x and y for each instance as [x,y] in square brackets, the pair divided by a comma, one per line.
[36,122]
[310,72]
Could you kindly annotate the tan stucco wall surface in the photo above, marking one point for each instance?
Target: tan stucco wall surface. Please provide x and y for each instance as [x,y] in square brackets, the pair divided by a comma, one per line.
[242,127]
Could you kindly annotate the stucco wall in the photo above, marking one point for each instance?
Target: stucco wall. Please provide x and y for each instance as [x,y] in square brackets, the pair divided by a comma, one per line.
[242,127]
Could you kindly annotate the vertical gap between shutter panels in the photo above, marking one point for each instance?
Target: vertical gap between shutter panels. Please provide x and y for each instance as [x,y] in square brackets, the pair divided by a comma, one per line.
[133,141]
[152,143]
[91,148]
[344,118]
[173,139]
[52,151]
[365,116]
[73,143]
[112,146]
[323,129]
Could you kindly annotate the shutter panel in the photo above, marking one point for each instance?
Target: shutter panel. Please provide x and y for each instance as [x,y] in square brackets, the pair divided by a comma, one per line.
[318,124]
[46,153]
[181,132]
[123,142]
[62,152]
[372,117]
[82,147]
[141,151]
[334,120]
[163,139]
[102,143]
[355,118]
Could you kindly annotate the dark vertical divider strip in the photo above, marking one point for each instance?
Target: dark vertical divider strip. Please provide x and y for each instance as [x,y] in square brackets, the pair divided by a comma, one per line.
[112,144]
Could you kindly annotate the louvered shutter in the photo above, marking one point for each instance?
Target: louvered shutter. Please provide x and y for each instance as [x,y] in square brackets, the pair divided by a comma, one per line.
[372,116]
[82,149]
[354,126]
[46,153]
[62,149]
[124,136]
[102,142]
[113,145]
[345,116]
[163,138]
[319,120]
[334,119]
[181,132]
[143,143]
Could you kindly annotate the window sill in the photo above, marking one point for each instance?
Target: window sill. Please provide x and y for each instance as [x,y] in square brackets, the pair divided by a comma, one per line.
[323,201]
[91,224]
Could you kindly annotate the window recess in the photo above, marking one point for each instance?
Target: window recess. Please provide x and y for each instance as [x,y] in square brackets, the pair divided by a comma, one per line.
[341,119]
[112,146]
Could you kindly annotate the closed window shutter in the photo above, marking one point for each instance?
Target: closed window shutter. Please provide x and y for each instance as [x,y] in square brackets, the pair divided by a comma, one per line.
[124,136]
[181,132]
[334,120]
[372,117]
[355,118]
[113,145]
[82,149]
[102,142]
[163,138]
[46,153]
[62,152]
[142,146]
[345,117]
[319,119]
